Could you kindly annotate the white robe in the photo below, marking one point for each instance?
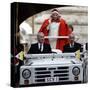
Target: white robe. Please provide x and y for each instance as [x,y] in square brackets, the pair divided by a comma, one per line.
[53,31]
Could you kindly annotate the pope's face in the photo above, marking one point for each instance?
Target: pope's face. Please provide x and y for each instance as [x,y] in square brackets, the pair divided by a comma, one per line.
[55,16]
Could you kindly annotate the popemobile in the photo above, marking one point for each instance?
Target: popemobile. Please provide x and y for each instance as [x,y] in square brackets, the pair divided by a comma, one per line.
[54,68]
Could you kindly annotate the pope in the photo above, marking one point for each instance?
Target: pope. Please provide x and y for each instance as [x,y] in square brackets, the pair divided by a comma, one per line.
[55,26]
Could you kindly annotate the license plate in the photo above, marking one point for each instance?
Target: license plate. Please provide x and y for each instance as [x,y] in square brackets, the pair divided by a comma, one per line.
[52,79]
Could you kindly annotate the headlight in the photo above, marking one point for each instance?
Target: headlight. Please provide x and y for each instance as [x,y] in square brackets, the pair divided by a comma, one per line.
[26,73]
[76,71]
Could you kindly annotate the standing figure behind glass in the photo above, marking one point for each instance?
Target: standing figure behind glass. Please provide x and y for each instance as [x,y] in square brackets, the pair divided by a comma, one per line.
[55,26]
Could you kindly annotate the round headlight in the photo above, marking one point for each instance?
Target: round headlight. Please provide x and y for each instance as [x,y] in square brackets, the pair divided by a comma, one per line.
[26,73]
[76,71]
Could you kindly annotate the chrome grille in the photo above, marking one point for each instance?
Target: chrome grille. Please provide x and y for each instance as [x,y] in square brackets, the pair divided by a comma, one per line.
[44,72]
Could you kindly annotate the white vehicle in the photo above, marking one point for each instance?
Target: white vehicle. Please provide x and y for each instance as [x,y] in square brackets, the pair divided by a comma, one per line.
[51,69]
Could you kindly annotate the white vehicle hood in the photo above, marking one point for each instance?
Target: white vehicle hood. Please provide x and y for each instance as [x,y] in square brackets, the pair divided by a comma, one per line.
[55,61]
